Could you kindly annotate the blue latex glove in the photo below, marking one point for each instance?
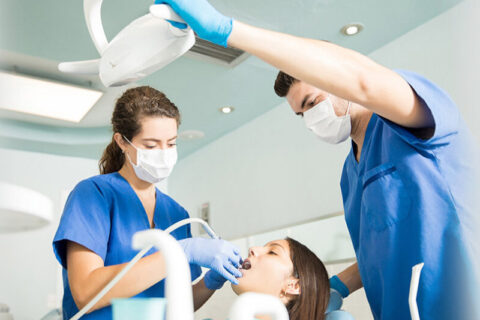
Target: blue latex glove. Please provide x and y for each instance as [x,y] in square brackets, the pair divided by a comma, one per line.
[204,19]
[219,255]
[338,285]
[335,302]
[213,280]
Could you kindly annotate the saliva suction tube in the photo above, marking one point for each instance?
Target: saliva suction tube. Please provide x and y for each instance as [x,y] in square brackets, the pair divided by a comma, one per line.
[139,255]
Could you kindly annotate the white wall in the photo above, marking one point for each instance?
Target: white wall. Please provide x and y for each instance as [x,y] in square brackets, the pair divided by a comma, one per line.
[28,268]
[445,50]
[269,173]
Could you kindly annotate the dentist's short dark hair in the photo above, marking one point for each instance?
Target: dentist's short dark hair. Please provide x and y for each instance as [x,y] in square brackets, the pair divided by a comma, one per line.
[283,83]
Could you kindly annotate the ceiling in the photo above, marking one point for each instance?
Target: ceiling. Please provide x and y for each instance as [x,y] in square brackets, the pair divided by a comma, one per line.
[36,35]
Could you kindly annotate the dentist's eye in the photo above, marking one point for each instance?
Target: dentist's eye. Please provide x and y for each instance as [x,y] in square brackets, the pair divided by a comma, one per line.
[272,252]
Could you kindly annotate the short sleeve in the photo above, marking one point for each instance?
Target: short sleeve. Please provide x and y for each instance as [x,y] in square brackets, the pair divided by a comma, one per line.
[85,220]
[444,111]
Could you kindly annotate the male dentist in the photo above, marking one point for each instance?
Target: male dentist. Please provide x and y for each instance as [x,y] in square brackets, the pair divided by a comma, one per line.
[408,181]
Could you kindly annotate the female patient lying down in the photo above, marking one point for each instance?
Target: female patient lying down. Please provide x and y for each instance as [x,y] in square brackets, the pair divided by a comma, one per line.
[290,271]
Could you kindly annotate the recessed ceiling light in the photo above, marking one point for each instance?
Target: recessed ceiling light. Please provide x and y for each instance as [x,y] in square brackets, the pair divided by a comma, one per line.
[352,29]
[45,98]
[189,135]
[227,109]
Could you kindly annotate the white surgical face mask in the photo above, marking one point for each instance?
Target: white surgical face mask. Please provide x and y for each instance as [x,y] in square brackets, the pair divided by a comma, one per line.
[323,121]
[153,165]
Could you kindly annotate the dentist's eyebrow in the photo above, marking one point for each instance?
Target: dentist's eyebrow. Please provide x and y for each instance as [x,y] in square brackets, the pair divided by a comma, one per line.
[304,101]
[157,140]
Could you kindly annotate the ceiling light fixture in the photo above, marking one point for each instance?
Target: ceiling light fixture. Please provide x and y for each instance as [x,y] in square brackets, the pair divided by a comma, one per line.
[45,98]
[352,29]
[189,135]
[227,110]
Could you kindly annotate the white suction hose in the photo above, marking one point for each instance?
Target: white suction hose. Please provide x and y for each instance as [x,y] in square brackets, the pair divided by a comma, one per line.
[412,297]
[250,304]
[178,286]
[135,259]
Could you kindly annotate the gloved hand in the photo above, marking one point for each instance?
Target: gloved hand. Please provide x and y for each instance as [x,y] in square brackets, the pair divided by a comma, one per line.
[335,302]
[338,285]
[218,255]
[204,19]
[213,280]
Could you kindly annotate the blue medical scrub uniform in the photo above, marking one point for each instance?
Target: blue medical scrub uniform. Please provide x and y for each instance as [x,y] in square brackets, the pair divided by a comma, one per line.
[102,213]
[409,200]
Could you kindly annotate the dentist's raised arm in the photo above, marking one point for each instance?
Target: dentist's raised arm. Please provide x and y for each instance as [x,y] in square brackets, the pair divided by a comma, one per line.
[340,71]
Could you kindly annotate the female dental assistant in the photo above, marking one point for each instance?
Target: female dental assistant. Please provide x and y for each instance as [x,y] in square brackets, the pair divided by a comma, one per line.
[93,240]
[408,183]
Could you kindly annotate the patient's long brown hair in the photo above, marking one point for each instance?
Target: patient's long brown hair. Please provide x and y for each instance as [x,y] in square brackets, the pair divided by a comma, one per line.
[312,301]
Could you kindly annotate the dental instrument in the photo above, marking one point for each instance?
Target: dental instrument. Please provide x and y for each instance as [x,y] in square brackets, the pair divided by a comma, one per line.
[135,259]
[144,46]
[412,297]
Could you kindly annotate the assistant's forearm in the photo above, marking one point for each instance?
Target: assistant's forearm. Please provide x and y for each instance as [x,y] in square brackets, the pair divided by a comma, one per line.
[145,273]
[201,294]
[351,278]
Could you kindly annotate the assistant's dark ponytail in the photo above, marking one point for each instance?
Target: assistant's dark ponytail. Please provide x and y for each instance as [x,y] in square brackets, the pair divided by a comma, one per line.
[134,105]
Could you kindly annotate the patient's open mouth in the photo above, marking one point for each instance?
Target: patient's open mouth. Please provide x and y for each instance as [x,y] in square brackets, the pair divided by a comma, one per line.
[246,264]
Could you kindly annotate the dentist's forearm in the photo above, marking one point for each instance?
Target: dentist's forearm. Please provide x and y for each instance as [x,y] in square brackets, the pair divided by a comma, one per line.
[351,278]
[201,294]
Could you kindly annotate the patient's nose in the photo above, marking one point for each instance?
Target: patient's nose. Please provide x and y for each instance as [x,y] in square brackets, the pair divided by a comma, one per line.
[253,252]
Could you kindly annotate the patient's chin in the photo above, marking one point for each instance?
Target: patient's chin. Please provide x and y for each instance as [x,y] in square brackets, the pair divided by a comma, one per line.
[238,288]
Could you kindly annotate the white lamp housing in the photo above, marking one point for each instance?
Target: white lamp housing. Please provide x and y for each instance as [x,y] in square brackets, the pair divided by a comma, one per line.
[144,46]
[23,209]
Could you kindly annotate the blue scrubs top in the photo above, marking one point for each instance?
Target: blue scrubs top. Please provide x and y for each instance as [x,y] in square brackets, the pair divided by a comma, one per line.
[102,213]
[410,200]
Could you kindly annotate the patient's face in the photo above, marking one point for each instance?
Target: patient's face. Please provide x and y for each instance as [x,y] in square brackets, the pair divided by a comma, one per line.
[271,267]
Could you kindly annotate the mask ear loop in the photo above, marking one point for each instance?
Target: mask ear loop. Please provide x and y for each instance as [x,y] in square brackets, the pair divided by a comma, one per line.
[348,107]
[126,153]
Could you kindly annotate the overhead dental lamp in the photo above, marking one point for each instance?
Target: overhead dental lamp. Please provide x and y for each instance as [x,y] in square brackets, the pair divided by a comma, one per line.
[144,46]
[23,209]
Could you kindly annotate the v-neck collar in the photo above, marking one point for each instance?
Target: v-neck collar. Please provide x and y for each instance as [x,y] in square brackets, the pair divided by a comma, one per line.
[139,203]
[358,165]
